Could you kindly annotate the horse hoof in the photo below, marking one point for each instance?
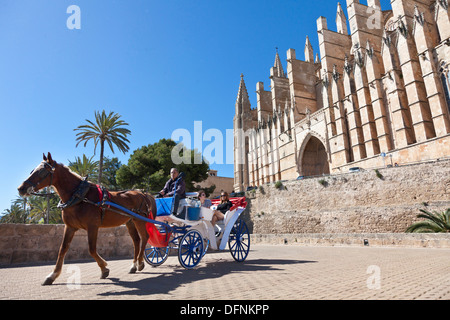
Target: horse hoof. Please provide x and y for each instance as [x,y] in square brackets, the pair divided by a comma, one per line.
[133,269]
[47,282]
[105,274]
[141,266]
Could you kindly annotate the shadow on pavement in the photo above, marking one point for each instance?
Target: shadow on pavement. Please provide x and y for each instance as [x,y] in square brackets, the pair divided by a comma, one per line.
[167,282]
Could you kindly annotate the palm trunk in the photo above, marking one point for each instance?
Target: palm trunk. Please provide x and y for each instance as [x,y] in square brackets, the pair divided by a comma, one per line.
[100,165]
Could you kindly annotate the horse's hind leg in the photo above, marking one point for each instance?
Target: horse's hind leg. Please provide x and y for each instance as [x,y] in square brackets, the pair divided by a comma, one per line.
[67,239]
[140,226]
[92,239]
[136,239]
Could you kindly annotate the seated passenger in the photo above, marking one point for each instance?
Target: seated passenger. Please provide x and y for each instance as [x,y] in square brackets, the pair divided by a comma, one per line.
[222,208]
[205,202]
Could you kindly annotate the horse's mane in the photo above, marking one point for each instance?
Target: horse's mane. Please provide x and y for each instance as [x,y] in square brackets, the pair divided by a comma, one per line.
[70,170]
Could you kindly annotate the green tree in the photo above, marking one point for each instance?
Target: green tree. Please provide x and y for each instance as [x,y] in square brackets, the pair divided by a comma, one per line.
[88,167]
[23,202]
[110,168]
[40,205]
[16,214]
[434,222]
[85,167]
[149,168]
[107,128]
[33,209]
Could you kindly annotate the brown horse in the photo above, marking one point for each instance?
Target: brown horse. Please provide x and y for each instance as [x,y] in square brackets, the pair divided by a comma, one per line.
[83,213]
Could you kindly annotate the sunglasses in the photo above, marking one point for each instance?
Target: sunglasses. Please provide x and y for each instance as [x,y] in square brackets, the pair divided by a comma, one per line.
[222,195]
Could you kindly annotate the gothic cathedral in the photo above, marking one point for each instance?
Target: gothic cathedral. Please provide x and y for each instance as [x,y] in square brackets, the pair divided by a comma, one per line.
[377,95]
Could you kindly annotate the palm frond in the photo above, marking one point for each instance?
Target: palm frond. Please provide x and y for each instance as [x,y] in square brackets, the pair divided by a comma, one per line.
[447,216]
[434,222]
[433,216]
[423,227]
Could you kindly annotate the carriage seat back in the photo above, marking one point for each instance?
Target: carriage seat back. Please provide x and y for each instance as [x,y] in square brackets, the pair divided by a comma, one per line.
[164,206]
[236,201]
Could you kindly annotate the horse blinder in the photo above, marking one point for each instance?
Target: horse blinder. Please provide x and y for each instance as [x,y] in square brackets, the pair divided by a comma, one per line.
[42,173]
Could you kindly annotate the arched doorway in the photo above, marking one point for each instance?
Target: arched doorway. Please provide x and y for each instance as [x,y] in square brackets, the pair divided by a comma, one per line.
[313,159]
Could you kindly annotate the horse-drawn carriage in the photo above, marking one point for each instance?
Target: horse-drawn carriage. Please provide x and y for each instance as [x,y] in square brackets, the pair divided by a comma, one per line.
[193,234]
[153,224]
[190,231]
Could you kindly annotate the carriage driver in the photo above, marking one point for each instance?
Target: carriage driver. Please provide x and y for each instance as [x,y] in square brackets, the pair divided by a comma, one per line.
[169,189]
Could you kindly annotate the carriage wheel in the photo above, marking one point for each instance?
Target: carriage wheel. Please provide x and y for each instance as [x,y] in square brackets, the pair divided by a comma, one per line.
[156,256]
[206,246]
[239,241]
[190,250]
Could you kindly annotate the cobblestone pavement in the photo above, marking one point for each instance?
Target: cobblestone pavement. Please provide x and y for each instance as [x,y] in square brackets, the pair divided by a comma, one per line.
[271,272]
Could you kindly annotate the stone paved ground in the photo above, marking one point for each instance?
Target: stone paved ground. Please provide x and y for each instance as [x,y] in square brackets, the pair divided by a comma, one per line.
[271,272]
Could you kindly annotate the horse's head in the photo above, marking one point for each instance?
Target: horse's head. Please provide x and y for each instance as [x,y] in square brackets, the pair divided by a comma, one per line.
[40,177]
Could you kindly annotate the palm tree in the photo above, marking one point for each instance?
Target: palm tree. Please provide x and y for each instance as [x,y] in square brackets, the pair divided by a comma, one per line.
[16,214]
[85,167]
[22,202]
[107,128]
[435,222]
[44,209]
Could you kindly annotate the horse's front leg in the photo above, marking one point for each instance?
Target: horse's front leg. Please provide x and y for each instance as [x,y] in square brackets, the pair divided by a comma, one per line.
[67,239]
[92,239]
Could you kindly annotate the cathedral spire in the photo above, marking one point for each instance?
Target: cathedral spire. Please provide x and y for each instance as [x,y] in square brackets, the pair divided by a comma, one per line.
[341,20]
[279,72]
[242,101]
[309,54]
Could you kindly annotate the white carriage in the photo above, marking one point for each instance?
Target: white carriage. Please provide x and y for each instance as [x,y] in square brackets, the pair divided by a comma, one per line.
[192,233]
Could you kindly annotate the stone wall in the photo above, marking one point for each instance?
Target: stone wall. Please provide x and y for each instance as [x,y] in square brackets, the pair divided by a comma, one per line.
[21,243]
[358,202]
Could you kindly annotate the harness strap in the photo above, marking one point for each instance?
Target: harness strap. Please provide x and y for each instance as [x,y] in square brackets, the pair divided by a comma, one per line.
[103,196]
[77,196]
[104,203]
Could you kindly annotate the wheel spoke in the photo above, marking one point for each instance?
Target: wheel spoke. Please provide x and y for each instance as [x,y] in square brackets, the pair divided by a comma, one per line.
[155,256]
[191,249]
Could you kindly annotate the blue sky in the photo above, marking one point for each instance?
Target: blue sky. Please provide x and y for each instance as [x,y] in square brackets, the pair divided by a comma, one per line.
[160,64]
